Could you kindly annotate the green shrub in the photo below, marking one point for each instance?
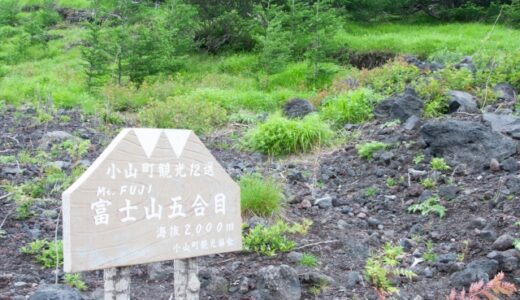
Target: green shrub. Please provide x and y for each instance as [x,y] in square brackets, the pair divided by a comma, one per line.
[308,260]
[269,240]
[430,205]
[260,196]
[178,112]
[47,253]
[428,183]
[380,267]
[439,164]
[350,107]
[368,149]
[281,136]
[391,78]
[75,281]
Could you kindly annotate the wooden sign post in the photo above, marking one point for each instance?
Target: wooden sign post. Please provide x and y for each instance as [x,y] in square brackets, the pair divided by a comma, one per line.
[152,195]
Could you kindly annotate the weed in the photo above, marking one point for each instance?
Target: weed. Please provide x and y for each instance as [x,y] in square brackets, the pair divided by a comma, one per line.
[380,267]
[429,254]
[7,159]
[367,150]
[350,107]
[75,281]
[419,158]
[430,205]
[281,136]
[309,260]
[260,196]
[391,182]
[370,192]
[269,240]
[75,149]
[490,290]
[318,287]
[47,253]
[428,183]
[438,164]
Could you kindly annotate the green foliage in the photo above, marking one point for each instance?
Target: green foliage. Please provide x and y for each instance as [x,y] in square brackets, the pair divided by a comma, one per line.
[178,112]
[429,254]
[380,267]
[281,136]
[75,281]
[419,158]
[391,78]
[47,253]
[370,192]
[260,196]
[75,149]
[9,12]
[308,260]
[516,243]
[318,287]
[438,164]
[269,240]
[95,55]
[7,159]
[368,149]
[350,107]
[430,205]
[391,182]
[428,183]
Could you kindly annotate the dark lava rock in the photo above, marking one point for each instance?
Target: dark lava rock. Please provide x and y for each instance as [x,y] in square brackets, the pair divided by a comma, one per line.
[504,123]
[159,271]
[278,282]
[401,106]
[448,192]
[503,242]
[56,292]
[513,184]
[297,108]
[505,92]
[467,142]
[353,278]
[462,102]
[507,260]
[412,123]
[481,269]
[214,285]
[510,165]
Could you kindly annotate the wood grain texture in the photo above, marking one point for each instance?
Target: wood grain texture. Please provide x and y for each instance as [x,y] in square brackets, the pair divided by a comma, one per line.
[130,208]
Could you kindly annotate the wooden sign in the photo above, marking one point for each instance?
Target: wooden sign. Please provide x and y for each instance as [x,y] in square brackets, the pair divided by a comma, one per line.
[152,195]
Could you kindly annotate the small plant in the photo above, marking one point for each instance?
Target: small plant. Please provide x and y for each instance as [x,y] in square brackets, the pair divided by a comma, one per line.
[370,192]
[308,260]
[428,183]
[438,164]
[47,253]
[391,124]
[429,254]
[430,205]
[7,159]
[318,287]
[380,267]
[350,107]
[491,290]
[516,243]
[281,136]
[367,150]
[260,196]
[269,240]
[391,182]
[419,158]
[75,281]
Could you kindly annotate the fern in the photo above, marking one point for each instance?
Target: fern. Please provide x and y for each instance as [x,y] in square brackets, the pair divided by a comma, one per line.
[430,205]
[480,290]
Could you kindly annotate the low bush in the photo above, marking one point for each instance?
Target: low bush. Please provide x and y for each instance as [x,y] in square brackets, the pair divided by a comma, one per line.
[270,240]
[179,112]
[351,107]
[260,196]
[47,253]
[392,78]
[282,136]
[368,149]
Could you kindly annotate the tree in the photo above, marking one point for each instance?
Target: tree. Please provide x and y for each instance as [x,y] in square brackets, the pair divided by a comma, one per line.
[96,56]
[9,12]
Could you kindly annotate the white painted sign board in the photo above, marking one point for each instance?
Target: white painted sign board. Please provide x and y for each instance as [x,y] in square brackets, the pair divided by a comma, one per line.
[152,195]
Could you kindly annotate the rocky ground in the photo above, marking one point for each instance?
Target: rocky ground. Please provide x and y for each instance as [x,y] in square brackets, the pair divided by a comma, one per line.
[356,206]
